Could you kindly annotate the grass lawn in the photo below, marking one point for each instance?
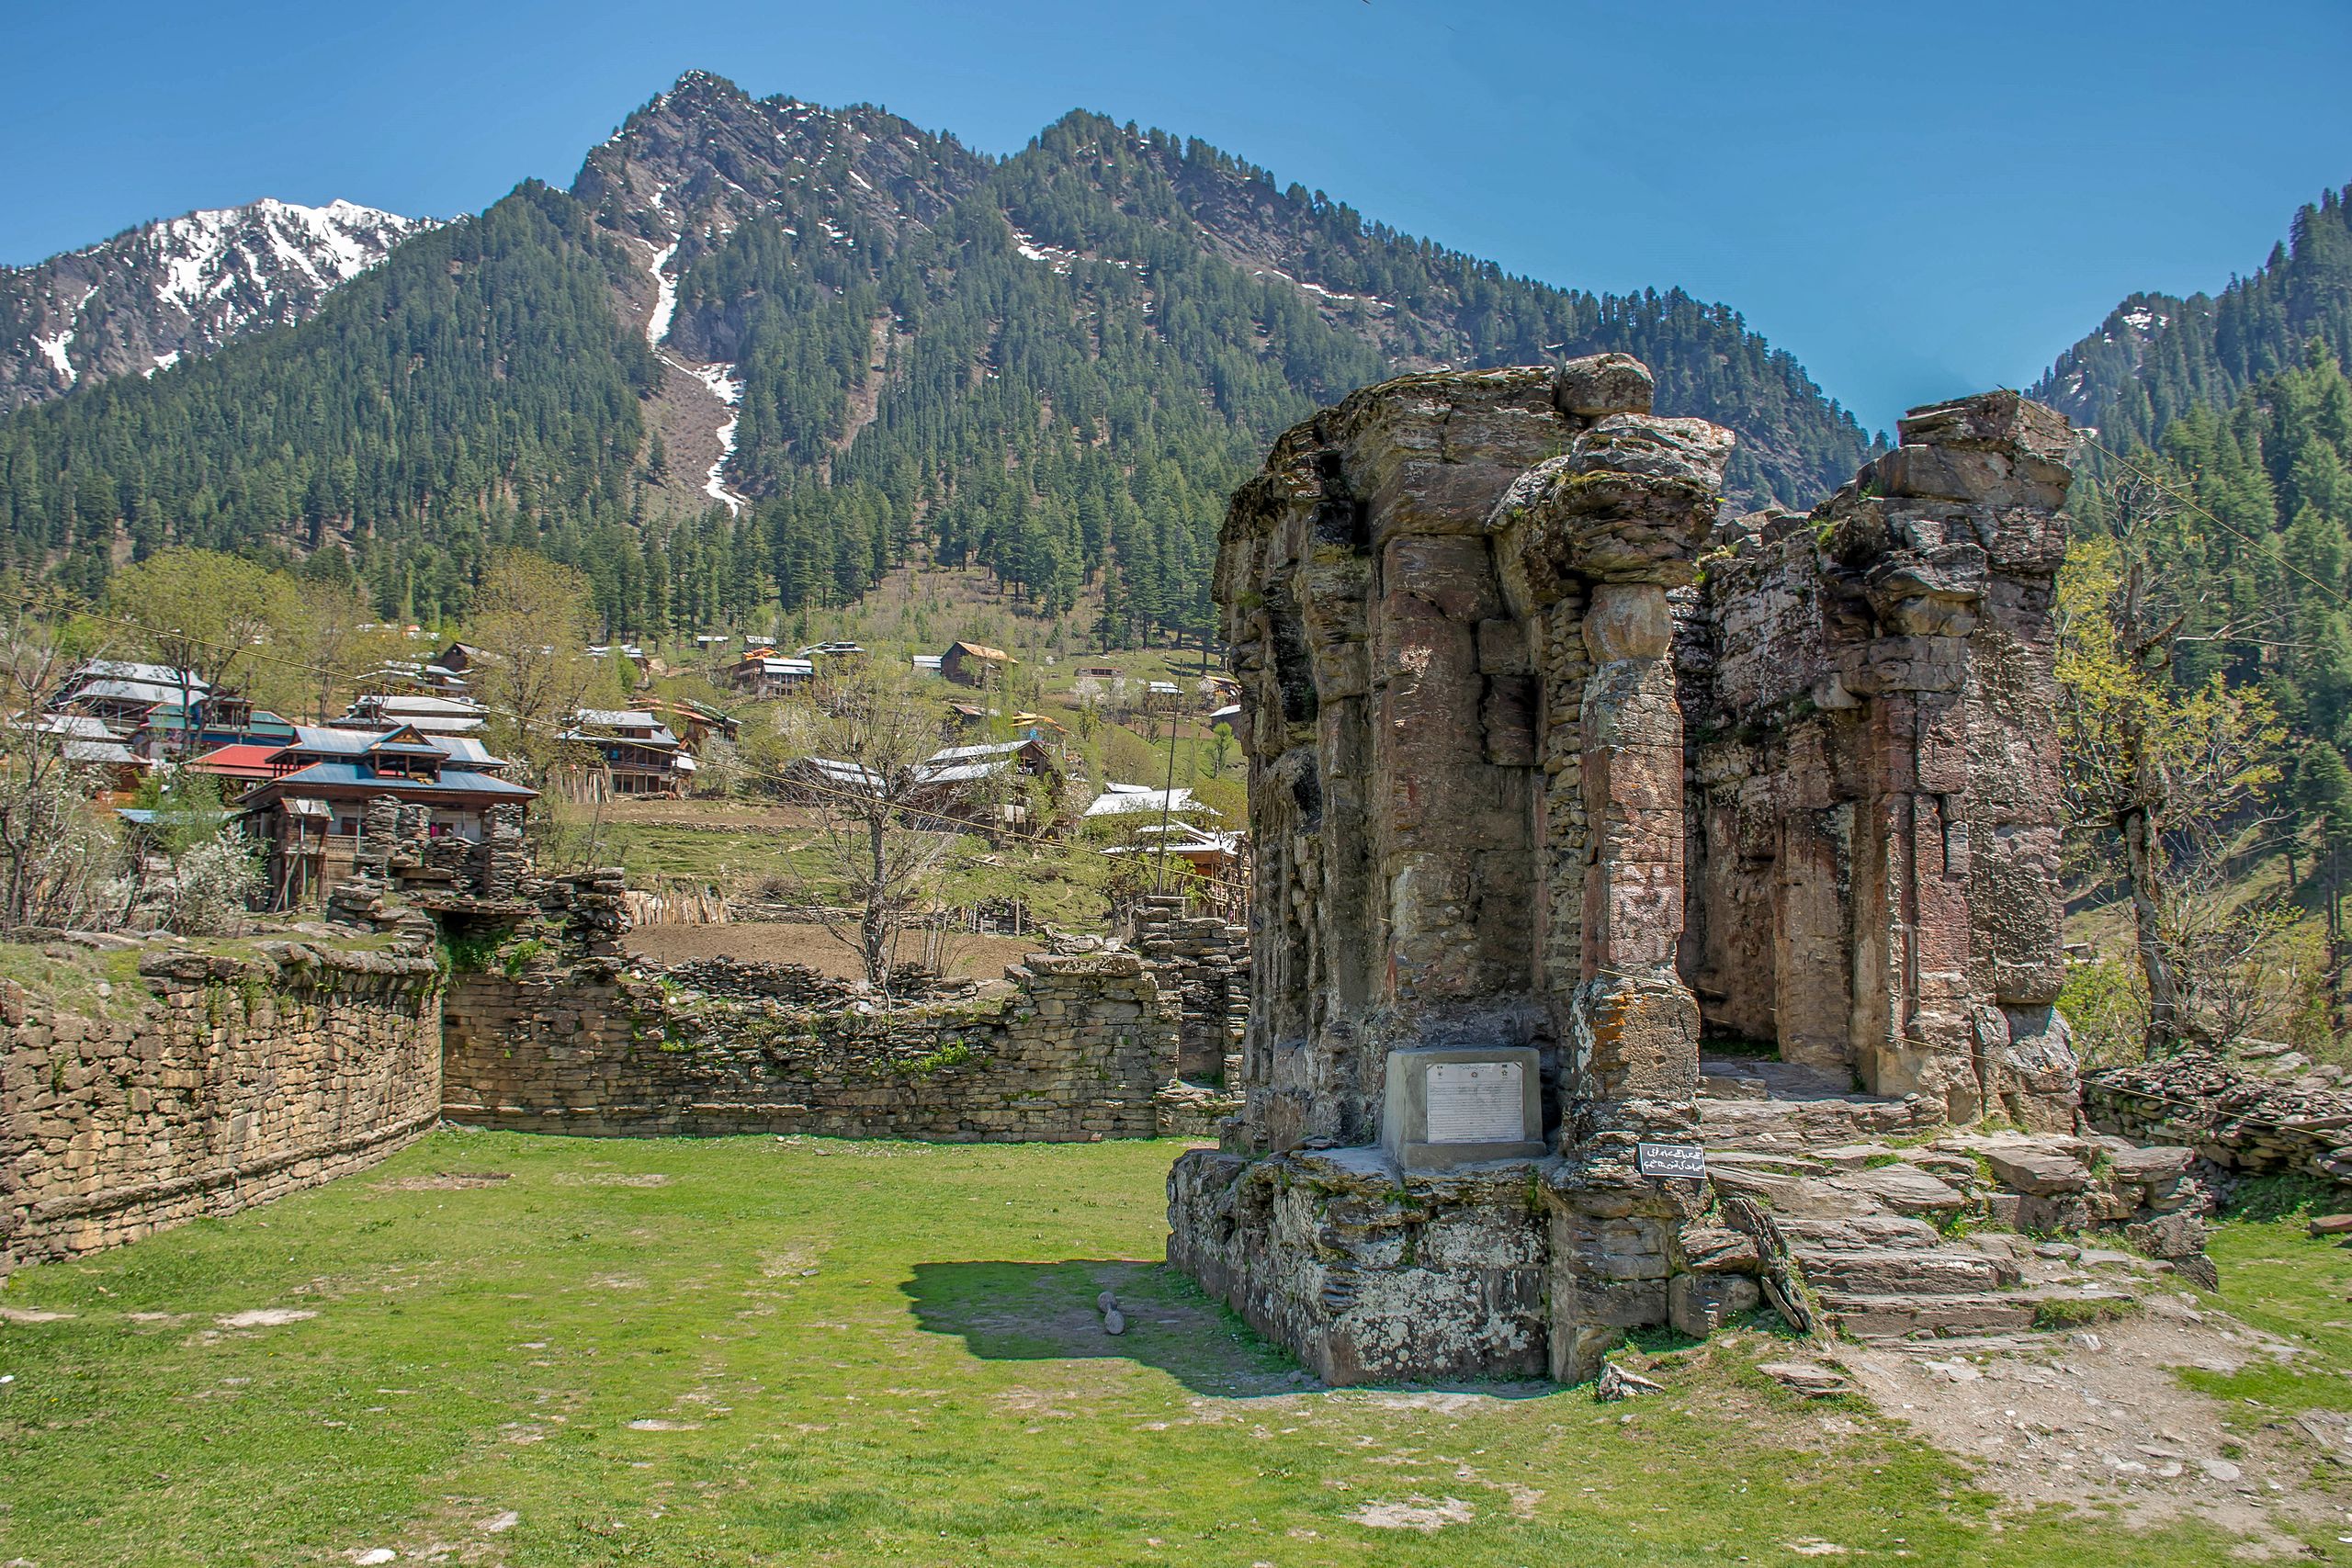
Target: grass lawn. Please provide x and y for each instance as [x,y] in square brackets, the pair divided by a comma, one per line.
[760,1351]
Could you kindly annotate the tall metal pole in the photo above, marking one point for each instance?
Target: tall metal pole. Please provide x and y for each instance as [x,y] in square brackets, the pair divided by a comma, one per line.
[1167,801]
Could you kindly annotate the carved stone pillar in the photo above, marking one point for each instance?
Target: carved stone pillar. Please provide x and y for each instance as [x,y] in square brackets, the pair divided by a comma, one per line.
[1614,524]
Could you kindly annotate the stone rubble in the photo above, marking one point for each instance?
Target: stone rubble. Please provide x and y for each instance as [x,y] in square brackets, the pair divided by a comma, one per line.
[2243,1123]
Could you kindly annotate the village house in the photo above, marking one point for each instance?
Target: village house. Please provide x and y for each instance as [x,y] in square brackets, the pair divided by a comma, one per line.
[433,714]
[221,718]
[1210,853]
[632,753]
[86,743]
[694,722]
[1119,800]
[974,663]
[157,711]
[762,673]
[308,813]
[975,784]
[122,694]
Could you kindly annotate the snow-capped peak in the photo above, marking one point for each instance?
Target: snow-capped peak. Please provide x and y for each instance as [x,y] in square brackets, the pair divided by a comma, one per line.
[184,286]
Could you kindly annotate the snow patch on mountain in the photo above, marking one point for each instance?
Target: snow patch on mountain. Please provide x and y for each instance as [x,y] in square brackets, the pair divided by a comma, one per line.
[665,297]
[53,348]
[217,255]
[728,387]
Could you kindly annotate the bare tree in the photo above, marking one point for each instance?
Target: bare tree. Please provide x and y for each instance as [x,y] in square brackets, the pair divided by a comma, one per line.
[864,741]
[59,865]
[2170,776]
[204,615]
[333,640]
[533,617]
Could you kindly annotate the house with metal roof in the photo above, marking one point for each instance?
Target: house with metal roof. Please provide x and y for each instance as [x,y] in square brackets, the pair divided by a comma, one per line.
[310,810]
[625,751]
[974,663]
[1141,800]
[434,714]
[762,673]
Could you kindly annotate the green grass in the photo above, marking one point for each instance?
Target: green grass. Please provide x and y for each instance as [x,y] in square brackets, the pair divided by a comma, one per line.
[861,1353]
[71,982]
[2282,1280]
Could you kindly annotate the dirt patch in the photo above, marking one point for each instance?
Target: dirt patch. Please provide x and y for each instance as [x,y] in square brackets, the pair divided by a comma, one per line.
[31,1314]
[2100,1417]
[1424,1514]
[982,957]
[263,1317]
[443,1181]
[611,1179]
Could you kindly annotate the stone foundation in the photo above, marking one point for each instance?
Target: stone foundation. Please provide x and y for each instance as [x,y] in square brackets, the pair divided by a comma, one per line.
[1368,1276]
[243,1081]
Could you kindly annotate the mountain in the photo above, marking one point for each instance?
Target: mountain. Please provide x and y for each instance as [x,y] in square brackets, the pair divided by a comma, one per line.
[2156,357]
[762,351]
[185,286]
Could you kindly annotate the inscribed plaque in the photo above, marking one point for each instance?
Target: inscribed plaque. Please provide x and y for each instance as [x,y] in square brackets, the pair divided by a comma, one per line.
[1476,1102]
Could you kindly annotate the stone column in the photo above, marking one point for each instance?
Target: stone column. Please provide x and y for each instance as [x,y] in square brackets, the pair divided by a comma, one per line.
[1615,523]
[1952,539]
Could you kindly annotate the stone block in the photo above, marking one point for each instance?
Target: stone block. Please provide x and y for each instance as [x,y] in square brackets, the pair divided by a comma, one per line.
[1602,384]
[1698,1305]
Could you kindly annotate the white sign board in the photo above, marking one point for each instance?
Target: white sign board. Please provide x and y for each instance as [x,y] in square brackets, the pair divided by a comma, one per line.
[1672,1159]
[1476,1102]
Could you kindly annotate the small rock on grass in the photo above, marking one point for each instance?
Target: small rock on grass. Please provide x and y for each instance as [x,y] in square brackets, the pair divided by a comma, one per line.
[2332,1225]
[1114,1321]
[1617,1384]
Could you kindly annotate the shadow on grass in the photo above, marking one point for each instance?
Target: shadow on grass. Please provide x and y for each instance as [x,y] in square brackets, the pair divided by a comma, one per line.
[1046,1312]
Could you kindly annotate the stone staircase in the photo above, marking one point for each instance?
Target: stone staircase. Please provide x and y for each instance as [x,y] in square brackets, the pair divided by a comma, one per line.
[1900,1229]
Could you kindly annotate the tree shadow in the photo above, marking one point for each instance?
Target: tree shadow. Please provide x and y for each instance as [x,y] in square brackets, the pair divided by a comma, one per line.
[1046,1312]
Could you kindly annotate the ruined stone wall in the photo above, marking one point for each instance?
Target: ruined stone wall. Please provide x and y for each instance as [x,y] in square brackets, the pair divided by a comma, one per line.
[1202,965]
[245,1080]
[2241,1123]
[1874,807]
[1076,1053]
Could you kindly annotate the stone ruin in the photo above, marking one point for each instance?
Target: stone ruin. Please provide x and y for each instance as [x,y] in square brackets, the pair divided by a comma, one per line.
[1553,780]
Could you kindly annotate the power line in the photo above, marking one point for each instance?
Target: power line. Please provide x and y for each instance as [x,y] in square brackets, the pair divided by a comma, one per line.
[2264,545]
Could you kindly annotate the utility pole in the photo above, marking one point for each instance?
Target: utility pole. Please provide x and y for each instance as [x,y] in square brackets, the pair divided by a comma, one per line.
[1167,804]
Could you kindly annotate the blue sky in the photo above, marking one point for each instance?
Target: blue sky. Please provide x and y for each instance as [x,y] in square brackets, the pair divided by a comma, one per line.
[1917,200]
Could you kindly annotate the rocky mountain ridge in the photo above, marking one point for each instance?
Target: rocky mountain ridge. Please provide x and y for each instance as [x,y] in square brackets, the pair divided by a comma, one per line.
[825,342]
[2157,356]
[139,301]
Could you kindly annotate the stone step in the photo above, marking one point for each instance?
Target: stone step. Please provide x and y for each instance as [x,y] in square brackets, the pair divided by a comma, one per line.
[1851,1231]
[1788,1197]
[1869,1315]
[1898,1272]
[1787,1123]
